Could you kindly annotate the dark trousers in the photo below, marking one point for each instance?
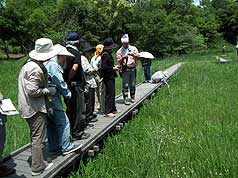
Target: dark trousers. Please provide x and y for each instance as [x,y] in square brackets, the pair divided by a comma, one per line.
[76,111]
[129,82]
[90,102]
[147,72]
[110,105]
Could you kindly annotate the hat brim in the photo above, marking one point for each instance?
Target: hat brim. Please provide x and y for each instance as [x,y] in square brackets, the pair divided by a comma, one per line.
[45,56]
[64,51]
[111,46]
[56,50]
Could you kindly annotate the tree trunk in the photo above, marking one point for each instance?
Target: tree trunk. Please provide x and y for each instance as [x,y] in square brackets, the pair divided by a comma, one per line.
[6,50]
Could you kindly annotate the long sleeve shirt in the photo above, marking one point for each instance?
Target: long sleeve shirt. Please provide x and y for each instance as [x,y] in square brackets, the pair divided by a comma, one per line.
[107,64]
[131,61]
[55,72]
[31,83]
[88,69]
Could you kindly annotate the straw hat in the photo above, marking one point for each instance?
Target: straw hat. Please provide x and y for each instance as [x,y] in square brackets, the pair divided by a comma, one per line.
[45,50]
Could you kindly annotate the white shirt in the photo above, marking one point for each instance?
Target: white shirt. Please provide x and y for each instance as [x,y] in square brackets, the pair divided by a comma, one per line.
[87,68]
[95,62]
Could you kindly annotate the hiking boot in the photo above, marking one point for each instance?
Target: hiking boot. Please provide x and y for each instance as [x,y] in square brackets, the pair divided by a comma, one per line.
[6,171]
[74,149]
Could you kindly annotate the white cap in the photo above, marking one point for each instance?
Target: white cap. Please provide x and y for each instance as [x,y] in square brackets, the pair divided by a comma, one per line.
[125,38]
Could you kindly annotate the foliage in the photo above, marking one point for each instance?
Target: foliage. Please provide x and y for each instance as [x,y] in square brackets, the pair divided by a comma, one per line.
[160,26]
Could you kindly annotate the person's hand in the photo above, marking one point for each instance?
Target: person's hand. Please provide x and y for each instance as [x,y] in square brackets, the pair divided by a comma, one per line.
[52,91]
[45,91]
[132,54]
[116,67]
[93,71]
[125,57]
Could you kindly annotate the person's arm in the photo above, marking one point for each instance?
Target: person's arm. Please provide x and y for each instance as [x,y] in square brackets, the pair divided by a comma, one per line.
[33,82]
[120,56]
[58,80]
[135,53]
[73,71]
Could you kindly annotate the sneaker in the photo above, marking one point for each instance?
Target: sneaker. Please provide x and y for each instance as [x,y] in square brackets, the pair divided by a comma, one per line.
[111,115]
[126,102]
[132,100]
[6,171]
[75,148]
[40,172]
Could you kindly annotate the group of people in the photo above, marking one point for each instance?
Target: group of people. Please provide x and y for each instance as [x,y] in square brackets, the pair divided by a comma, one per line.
[84,77]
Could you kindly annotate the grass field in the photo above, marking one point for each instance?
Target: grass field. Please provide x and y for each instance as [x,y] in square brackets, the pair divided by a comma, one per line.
[189,130]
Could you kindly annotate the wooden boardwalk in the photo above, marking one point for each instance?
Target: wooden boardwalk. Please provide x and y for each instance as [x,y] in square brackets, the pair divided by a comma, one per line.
[21,158]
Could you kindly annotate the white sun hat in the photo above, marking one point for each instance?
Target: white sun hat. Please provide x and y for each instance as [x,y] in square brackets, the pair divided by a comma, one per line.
[44,50]
[146,55]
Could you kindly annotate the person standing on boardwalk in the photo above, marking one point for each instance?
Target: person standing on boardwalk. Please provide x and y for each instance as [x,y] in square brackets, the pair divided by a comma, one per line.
[100,90]
[146,63]
[4,170]
[126,57]
[58,127]
[108,73]
[91,82]
[33,95]
[75,78]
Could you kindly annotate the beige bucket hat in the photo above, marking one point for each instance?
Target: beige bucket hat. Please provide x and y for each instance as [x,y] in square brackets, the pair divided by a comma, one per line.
[45,50]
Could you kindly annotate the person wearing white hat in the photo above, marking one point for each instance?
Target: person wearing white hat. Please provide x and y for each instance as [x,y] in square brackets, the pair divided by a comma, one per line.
[127,56]
[33,92]
[146,60]
[58,127]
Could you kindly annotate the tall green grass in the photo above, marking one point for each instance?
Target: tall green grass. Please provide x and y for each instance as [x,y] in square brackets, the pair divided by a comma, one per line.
[189,130]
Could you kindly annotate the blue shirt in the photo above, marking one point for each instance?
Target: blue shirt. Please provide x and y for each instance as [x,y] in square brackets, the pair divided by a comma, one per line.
[55,72]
